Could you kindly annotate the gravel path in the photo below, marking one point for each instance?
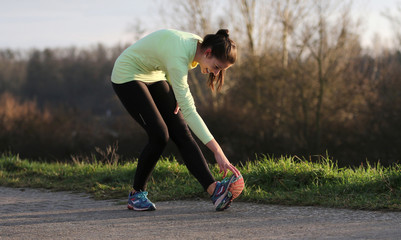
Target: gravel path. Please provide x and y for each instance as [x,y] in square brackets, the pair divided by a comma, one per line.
[41,214]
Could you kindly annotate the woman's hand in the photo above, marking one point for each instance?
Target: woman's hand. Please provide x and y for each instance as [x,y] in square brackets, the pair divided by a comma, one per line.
[225,165]
[221,159]
[177,108]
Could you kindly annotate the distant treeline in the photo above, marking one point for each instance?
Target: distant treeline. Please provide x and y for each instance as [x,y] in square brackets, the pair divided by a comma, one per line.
[55,103]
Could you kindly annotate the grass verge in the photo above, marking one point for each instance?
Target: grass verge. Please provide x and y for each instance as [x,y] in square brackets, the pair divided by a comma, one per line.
[284,180]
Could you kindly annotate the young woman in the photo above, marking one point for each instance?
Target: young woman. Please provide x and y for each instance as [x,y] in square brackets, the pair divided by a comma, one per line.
[150,79]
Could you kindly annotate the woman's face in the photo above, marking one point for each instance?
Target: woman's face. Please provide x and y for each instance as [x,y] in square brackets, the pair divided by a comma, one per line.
[210,64]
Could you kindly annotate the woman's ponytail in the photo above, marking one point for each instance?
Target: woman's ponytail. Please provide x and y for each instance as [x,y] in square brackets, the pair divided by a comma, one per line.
[223,32]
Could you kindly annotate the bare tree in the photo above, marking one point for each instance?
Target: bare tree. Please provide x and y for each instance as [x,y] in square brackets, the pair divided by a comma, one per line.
[331,43]
[395,21]
[253,21]
[289,14]
[12,70]
[136,29]
[194,16]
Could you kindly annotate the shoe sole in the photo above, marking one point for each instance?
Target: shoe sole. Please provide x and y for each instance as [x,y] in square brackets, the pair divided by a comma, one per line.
[140,209]
[227,204]
[237,187]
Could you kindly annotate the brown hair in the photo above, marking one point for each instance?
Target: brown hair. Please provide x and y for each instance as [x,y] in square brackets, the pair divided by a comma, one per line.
[224,49]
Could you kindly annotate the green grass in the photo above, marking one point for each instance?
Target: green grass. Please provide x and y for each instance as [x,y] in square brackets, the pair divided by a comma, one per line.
[284,180]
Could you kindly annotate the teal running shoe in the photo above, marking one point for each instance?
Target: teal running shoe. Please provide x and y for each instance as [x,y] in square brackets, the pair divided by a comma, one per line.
[221,197]
[140,202]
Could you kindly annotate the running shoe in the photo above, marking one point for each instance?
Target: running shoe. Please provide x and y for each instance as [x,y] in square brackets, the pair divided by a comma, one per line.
[140,202]
[237,186]
[221,196]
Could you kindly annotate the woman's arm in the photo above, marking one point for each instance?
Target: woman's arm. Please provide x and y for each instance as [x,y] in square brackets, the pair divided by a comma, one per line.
[178,77]
[221,159]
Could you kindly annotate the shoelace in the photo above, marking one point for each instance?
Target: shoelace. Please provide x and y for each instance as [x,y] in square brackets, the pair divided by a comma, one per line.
[225,180]
[142,195]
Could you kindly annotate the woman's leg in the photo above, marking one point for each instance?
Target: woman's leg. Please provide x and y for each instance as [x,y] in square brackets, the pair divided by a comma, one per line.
[138,101]
[179,132]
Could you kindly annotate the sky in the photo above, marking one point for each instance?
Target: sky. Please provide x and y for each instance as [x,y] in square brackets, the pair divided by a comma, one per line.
[26,24]
[59,23]
[374,23]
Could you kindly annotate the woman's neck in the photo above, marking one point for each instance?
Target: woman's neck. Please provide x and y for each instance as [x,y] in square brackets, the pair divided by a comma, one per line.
[198,54]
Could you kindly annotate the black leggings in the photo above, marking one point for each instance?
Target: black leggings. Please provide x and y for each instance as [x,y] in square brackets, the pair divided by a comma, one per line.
[152,106]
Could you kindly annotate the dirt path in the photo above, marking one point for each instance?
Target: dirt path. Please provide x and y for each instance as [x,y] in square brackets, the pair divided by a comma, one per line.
[40,214]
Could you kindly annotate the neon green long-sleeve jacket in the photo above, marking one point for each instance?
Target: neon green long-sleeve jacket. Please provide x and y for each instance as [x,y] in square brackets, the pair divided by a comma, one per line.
[165,55]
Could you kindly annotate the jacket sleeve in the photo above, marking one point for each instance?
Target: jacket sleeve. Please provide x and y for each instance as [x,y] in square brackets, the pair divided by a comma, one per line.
[178,78]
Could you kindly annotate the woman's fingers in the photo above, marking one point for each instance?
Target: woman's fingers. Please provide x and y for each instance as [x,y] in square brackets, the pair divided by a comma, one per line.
[230,167]
[234,170]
